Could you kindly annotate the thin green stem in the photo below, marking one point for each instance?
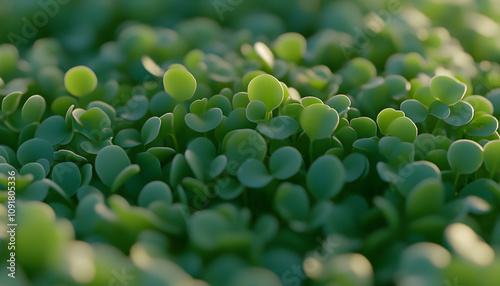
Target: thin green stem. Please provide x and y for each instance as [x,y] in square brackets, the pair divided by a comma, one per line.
[311,148]
[176,144]
[437,127]
[455,183]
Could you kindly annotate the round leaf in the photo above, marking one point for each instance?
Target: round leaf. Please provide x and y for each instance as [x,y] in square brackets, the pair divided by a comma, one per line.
[34,150]
[179,83]
[155,191]
[80,80]
[150,130]
[403,128]
[34,108]
[461,113]
[267,89]
[465,156]
[414,110]
[483,125]
[256,111]
[448,90]
[253,174]
[285,162]
[326,177]
[109,162]
[291,202]
[385,118]
[319,121]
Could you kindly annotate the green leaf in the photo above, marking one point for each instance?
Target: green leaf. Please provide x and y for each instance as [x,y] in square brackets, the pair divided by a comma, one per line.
[123,176]
[11,102]
[426,198]
[385,118]
[492,156]
[413,173]
[465,156]
[461,113]
[199,155]
[128,138]
[326,177]
[280,127]
[150,130]
[96,124]
[439,109]
[483,125]
[365,127]
[205,122]
[291,202]
[414,110]
[179,83]
[34,150]
[256,111]
[339,102]
[356,166]
[319,121]
[136,107]
[153,192]
[253,174]
[285,162]
[265,54]
[205,229]
[109,162]
[53,130]
[67,176]
[267,89]
[240,145]
[403,128]
[34,108]
[448,90]
[80,80]
[290,47]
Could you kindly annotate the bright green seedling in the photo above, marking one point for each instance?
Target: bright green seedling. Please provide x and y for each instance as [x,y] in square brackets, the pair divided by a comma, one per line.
[80,80]
[267,89]
[403,128]
[292,202]
[492,157]
[310,100]
[448,90]
[385,118]
[465,156]
[285,162]
[179,83]
[34,108]
[319,121]
[290,47]
[280,127]
[326,177]
[414,110]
